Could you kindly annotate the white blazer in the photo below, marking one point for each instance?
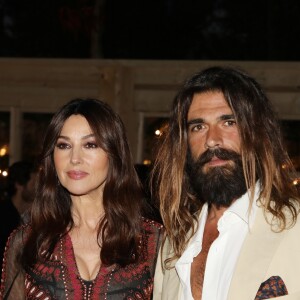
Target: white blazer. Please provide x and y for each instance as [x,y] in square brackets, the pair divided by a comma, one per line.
[264,254]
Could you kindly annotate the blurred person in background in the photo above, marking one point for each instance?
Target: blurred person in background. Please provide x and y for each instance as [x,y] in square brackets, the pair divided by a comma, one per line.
[17,200]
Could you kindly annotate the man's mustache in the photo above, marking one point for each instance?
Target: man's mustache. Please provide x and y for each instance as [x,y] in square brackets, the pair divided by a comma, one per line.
[219,153]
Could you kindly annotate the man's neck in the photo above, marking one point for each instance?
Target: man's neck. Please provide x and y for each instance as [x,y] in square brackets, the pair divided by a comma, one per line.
[215,213]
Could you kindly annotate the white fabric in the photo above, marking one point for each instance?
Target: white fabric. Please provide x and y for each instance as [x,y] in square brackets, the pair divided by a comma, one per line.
[233,227]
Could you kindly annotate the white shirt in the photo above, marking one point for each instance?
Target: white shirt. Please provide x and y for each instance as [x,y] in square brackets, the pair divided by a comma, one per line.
[233,227]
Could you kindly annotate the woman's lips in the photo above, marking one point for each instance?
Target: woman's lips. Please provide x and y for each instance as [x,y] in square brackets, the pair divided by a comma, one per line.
[77,175]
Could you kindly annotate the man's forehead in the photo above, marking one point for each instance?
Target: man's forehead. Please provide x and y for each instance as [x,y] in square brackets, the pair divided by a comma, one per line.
[208,103]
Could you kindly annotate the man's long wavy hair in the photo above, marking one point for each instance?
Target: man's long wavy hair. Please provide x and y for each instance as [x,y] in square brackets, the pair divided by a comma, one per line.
[263,154]
[51,216]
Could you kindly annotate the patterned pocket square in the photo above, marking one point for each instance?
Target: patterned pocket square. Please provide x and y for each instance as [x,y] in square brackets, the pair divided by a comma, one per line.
[271,288]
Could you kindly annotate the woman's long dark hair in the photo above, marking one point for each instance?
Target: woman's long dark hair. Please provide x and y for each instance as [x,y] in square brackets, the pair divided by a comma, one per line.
[51,216]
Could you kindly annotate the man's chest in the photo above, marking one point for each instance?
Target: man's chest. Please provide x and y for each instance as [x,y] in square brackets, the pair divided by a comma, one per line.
[199,262]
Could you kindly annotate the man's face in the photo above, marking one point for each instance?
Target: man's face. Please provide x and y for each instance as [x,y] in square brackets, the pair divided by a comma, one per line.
[211,123]
[214,163]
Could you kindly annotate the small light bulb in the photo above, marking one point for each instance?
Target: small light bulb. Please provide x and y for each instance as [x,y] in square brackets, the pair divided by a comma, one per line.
[157,132]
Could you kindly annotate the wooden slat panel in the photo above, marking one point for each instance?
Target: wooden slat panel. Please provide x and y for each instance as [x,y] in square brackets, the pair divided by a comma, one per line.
[153,101]
[286,104]
[131,87]
[46,97]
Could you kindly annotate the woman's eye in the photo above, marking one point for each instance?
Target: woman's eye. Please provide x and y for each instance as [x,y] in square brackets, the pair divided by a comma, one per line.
[91,145]
[63,146]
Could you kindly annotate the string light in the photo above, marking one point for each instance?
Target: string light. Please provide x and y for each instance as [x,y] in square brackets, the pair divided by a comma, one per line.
[157,132]
[3,150]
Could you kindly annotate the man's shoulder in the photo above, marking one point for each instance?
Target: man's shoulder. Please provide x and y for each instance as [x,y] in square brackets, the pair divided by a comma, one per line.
[288,228]
[294,224]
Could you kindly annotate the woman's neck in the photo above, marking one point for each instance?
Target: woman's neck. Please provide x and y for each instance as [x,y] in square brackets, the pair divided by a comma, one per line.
[87,212]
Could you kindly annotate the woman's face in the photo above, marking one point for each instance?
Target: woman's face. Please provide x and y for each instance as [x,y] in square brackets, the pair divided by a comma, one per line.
[81,165]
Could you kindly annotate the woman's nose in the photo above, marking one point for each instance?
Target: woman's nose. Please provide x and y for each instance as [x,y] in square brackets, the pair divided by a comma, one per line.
[76,157]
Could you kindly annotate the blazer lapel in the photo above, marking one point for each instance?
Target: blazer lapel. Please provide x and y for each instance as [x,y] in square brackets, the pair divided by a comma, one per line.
[256,254]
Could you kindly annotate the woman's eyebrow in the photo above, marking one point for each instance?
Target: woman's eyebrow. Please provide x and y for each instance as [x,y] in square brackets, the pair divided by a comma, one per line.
[83,138]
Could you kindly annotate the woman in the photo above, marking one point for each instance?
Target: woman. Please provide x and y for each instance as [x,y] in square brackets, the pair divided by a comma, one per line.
[86,238]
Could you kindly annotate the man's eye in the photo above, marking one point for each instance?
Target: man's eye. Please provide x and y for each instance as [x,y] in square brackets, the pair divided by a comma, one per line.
[63,146]
[91,145]
[197,127]
[230,123]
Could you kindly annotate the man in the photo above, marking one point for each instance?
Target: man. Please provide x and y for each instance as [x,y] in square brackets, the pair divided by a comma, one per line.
[20,194]
[226,198]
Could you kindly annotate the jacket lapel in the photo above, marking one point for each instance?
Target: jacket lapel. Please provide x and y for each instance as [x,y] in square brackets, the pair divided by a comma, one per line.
[256,254]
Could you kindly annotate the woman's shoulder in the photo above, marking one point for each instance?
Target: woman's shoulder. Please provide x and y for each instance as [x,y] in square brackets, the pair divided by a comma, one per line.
[149,224]
[152,229]
[18,236]
[151,240]
[12,282]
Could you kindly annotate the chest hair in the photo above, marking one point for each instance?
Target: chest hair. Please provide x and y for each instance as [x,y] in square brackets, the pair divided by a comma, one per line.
[199,262]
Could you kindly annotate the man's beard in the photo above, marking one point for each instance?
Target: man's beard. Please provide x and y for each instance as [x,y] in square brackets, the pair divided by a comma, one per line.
[218,185]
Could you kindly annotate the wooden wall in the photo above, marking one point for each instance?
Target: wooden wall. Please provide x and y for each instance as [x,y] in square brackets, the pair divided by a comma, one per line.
[135,89]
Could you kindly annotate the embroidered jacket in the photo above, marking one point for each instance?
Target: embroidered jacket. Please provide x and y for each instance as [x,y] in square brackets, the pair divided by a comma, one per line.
[58,277]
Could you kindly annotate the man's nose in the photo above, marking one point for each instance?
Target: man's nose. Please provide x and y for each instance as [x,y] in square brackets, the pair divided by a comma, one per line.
[213,138]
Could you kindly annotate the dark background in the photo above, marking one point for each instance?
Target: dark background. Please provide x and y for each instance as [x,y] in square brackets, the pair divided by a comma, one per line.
[151,29]
[254,30]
